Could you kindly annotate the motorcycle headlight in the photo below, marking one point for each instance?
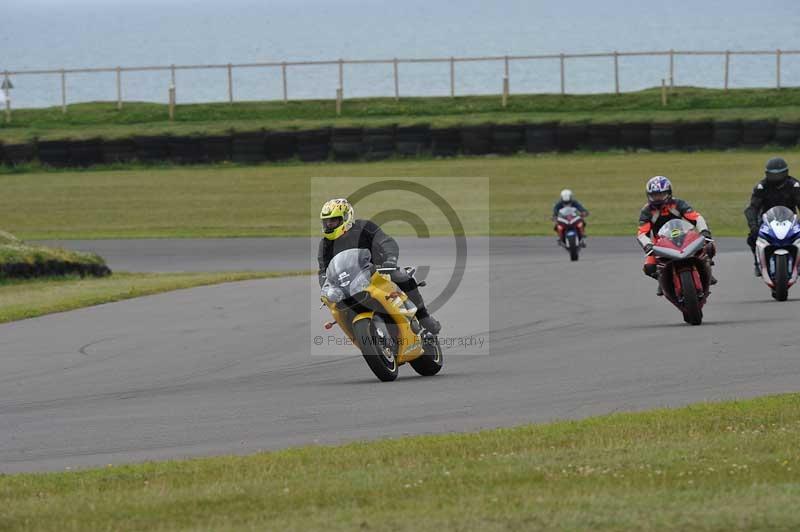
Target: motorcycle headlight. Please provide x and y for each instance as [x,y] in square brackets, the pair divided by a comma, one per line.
[333,293]
[361,282]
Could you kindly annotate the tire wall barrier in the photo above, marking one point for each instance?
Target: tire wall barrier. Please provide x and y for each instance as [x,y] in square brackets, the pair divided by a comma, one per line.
[314,145]
[347,143]
[376,143]
[413,141]
[540,138]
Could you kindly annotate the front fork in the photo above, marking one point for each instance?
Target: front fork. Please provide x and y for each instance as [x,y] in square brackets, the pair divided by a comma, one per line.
[676,280]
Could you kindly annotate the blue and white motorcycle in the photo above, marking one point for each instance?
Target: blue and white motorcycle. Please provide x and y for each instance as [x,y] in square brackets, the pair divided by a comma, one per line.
[776,250]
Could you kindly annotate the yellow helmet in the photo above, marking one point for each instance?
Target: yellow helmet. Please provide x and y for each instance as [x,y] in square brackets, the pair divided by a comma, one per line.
[337,217]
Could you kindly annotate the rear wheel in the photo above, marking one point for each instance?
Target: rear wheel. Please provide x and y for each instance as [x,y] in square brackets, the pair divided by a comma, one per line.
[572,245]
[691,304]
[430,362]
[781,292]
[380,357]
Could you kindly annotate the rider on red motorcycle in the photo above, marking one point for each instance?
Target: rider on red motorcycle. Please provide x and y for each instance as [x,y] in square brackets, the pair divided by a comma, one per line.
[660,208]
[568,200]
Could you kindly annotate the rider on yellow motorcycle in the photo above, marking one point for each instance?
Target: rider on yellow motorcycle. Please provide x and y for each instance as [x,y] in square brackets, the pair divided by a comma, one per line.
[342,231]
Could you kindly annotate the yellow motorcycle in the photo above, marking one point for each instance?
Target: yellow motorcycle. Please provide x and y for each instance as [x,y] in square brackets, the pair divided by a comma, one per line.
[378,317]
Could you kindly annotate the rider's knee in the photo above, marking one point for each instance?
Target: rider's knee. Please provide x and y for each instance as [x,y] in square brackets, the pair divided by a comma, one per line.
[650,270]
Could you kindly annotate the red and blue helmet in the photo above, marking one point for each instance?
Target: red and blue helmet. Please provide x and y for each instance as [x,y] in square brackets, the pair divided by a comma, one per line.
[659,190]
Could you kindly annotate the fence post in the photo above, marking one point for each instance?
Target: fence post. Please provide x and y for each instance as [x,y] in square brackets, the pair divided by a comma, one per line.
[727,67]
[7,94]
[172,102]
[339,93]
[63,92]
[396,81]
[506,83]
[341,76]
[119,88]
[172,74]
[663,92]
[671,69]
[616,72]
[778,68]
[285,86]
[563,91]
[230,83]
[452,77]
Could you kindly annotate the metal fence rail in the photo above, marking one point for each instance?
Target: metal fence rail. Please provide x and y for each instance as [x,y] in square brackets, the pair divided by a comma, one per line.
[394,63]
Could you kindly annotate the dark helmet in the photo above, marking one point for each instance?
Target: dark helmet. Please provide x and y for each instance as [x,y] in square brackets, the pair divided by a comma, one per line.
[776,171]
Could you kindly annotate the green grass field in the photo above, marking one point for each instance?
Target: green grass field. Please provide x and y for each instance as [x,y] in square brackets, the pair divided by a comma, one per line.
[720,467]
[276,200]
[30,298]
[102,119]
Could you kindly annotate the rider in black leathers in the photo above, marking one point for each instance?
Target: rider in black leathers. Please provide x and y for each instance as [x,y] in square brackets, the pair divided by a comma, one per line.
[776,189]
[343,231]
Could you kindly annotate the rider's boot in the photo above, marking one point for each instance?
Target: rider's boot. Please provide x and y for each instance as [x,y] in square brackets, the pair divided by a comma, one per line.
[657,277]
[428,322]
[757,269]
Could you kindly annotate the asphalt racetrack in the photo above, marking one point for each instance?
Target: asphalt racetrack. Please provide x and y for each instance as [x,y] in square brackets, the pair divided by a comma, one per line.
[235,368]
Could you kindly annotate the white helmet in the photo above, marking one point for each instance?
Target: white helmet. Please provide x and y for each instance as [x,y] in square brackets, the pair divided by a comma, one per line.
[566,195]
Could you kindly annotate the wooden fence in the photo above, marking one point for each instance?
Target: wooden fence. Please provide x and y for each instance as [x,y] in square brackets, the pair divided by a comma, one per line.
[395,63]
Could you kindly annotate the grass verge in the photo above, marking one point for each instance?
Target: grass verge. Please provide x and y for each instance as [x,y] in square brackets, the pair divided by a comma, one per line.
[30,298]
[276,200]
[102,119]
[20,259]
[723,466]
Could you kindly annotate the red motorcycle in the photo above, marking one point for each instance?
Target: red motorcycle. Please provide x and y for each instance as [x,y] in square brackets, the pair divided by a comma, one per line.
[569,224]
[684,271]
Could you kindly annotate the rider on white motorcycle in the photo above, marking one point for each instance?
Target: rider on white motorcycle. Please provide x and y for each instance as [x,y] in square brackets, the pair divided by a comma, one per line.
[568,200]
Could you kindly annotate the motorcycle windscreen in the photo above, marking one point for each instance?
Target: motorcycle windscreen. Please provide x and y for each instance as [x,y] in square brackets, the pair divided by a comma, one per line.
[347,274]
[568,212]
[675,231]
[779,214]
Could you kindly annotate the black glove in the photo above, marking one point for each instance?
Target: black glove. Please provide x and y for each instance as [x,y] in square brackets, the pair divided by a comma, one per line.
[648,248]
[389,262]
[707,234]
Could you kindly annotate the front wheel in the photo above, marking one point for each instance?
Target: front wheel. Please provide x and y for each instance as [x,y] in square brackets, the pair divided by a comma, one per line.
[692,313]
[572,245]
[379,356]
[781,291]
[431,361]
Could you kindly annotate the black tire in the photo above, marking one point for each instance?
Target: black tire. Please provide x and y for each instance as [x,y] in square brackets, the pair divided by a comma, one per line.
[664,136]
[541,137]
[692,313]
[635,135]
[382,366]
[431,361]
[781,292]
[572,246]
